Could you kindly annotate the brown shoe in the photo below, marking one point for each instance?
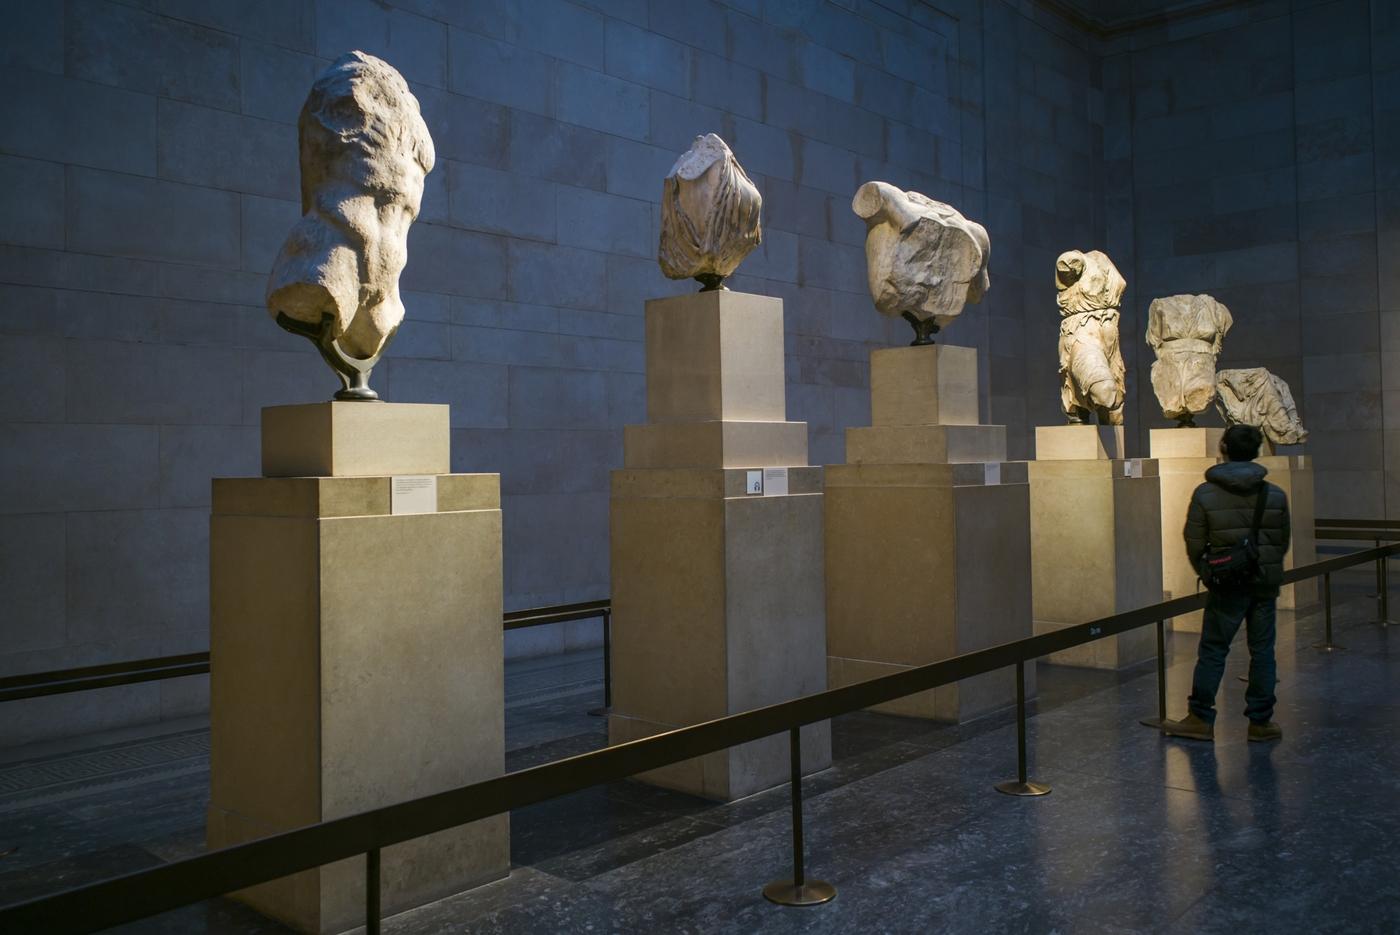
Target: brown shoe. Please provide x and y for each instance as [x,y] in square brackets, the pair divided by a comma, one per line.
[1263,733]
[1190,727]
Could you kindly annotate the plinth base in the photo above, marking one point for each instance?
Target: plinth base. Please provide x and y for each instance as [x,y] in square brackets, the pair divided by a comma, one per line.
[1095,552]
[355,439]
[925,562]
[357,662]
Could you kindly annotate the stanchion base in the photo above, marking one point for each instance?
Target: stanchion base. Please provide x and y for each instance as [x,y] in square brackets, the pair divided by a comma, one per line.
[1153,722]
[1328,647]
[1016,787]
[599,712]
[811,893]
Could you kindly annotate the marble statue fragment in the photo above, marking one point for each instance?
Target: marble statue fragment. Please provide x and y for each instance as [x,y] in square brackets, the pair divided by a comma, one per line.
[1092,374]
[365,152]
[924,261]
[1254,396]
[709,215]
[1186,332]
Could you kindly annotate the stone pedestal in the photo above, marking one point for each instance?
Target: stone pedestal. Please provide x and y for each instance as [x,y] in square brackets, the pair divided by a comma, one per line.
[1095,541]
[1183,456]
[927,552]
[356,662]
[716,585]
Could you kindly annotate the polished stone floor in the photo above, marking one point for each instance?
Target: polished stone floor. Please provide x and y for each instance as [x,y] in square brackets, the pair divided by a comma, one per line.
[1141,834]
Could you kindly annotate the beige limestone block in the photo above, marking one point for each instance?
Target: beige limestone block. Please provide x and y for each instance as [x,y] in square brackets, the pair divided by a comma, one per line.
[347,439]
[1078,442]
[1185,442]
[1095,551]
[925,444]
[356,662]
[715,356]
[925,562]
[710,214]
[930,384]
[924,260]
[714,444]
[718,607]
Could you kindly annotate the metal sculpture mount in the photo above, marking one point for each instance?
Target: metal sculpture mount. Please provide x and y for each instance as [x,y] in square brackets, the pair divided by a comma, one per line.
[365,152]
[710,215]
[1092,375]
[1186,332]
[924,261]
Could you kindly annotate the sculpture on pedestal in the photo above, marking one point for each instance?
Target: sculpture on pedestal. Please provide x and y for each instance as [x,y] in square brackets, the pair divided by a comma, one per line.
[365,152]
[1186,332]
[1254,396]
[709,215]
[923,260]
[1091,362]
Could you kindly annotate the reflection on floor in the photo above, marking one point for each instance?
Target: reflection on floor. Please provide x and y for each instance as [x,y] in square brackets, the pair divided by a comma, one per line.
[1141,833]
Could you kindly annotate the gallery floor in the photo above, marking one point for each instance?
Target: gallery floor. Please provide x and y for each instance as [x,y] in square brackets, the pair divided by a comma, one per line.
[1140,833]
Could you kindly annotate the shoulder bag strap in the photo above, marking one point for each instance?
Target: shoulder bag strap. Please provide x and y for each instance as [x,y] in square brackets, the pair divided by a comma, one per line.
[1259,502]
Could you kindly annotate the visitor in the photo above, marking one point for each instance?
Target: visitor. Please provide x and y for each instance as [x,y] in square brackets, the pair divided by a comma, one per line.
[1243,568]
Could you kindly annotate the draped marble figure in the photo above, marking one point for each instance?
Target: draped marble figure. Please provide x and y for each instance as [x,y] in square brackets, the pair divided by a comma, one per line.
[709,215]
[365,152]
[924,261]
[1186,332]
[1254,396]
[1091,362]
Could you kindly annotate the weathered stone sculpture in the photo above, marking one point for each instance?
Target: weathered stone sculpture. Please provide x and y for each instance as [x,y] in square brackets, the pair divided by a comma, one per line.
[1254,396]
[923,260]
[365,152]
[1186,332]
[709,215]
[1091,362]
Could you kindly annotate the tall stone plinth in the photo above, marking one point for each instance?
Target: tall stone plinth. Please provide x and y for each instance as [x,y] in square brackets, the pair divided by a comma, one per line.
[1096,539]
[927,550]
[1183,456]
[716,545]
[356,655]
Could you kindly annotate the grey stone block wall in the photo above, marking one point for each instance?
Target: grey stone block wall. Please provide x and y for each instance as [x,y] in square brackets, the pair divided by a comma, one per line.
[148,175]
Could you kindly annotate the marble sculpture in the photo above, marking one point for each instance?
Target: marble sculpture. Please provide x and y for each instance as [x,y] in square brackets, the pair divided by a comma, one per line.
[1091,362]
[924,261]
[365,152]
[1254,396]
[709,215]
[1186,332]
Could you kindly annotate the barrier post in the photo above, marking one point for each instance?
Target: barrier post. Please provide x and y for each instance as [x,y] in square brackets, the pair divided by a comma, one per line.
[798,891]
[1156,722]
[1327,646]
[1022,784]
[607,667]
[372,892]
[1383,576]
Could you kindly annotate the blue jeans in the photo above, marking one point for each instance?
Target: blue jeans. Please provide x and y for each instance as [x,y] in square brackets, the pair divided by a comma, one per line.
[1225,611]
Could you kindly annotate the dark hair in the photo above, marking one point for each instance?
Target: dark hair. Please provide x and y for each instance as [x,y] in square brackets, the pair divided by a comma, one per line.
[1242,442]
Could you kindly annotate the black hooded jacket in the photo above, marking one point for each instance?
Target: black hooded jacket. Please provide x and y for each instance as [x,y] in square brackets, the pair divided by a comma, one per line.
[1220,513]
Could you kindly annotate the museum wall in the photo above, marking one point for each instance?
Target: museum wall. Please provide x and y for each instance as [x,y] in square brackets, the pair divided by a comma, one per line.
[1255,155]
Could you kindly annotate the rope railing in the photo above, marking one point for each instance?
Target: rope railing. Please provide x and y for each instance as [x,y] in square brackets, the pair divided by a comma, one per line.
[138,895]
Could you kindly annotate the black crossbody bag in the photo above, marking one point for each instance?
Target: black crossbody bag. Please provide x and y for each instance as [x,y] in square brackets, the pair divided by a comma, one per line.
[1236,566]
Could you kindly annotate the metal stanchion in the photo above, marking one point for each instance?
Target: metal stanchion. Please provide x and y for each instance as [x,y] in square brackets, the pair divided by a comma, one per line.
[1383,576]
[798,891]
[1156,722]
[607,667]
[1327,646]
[1021,785]
[372,892]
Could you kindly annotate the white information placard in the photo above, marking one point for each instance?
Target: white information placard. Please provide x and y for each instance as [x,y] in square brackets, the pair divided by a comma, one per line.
[775,482]
[1132,467]
[413,493]
[991,474]
[754,483]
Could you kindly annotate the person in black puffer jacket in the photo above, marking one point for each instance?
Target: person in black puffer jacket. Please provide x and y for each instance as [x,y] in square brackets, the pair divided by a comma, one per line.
[1220,515]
